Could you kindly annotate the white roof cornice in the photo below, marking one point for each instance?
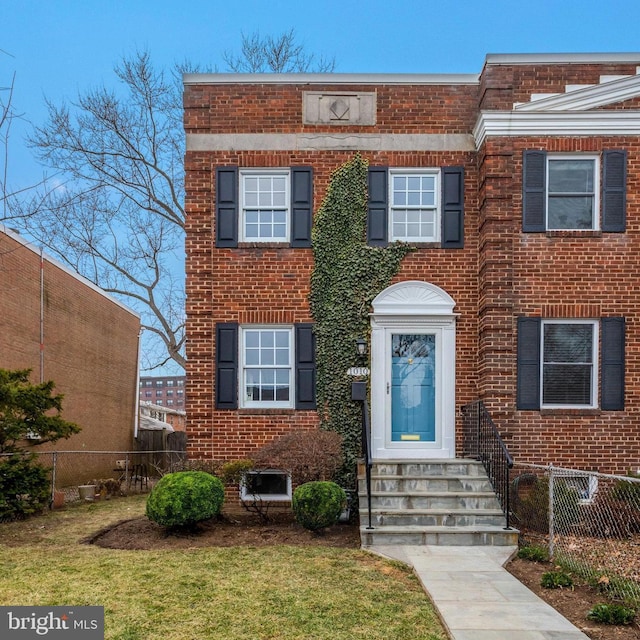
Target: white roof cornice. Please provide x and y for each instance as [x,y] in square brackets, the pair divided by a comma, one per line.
[562,58]
[331,78]
[591,97]
[545,124]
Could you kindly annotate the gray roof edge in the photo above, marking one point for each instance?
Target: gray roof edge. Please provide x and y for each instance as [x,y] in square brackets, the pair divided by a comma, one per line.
[330,78]
[560,58]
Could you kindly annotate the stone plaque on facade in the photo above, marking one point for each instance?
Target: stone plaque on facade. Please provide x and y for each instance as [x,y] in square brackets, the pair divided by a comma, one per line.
[339,108]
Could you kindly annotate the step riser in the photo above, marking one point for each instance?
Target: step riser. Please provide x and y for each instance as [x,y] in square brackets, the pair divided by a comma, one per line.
[413,485]
[441,520]
[431,503]
[446,502]
[472,538]
[469,468]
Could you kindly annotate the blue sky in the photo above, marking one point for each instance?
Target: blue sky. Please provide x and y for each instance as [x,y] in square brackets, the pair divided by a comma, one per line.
[58,48]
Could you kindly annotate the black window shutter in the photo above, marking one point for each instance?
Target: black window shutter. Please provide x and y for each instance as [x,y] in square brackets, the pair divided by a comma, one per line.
[227,365]
[301,206]
[452,208]
[534,170]
[528,385]
[378,207]
[614,191]
[305,367]
[227,207]
[612,364]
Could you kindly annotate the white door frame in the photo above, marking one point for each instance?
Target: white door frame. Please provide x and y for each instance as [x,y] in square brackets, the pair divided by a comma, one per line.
[413,307]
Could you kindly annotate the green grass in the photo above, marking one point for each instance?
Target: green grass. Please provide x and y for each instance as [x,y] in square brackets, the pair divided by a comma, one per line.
[264,593]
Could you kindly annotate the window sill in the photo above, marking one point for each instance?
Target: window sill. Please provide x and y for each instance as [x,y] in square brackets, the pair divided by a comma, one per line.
[570,412]
[573,233]
[421,245]
[265,245]
[258,411]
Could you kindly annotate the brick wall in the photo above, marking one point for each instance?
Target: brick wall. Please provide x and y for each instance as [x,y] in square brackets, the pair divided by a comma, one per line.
[89,347]
[500,274]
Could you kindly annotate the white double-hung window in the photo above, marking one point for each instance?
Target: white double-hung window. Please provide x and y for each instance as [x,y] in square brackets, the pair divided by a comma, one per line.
[569,363]
[264,201]
[267,367]
[414,210]
[573,186]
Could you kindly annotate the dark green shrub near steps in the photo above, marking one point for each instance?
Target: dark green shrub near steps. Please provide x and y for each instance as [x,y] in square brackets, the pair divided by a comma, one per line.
[556,580]
[533,553]
[611,614]
[184,498]
[317,505]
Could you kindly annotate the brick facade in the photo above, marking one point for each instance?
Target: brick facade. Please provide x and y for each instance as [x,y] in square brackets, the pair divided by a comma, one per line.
[89,347]
[499,275]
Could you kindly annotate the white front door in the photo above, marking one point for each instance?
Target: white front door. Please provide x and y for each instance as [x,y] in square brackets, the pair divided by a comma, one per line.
[413,373]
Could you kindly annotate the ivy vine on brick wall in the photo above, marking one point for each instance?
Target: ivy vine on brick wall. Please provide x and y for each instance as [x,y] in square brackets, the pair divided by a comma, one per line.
[347,276]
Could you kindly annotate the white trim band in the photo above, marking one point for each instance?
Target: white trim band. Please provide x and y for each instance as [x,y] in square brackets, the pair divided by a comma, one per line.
[329,142]
[587,98]
[583,123]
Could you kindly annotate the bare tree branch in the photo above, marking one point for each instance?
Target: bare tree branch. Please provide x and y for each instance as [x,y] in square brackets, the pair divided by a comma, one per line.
[113,210]
[280,54]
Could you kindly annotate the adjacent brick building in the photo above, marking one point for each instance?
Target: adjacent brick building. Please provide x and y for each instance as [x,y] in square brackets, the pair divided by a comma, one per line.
[66,329]
[166,391]
[518,186]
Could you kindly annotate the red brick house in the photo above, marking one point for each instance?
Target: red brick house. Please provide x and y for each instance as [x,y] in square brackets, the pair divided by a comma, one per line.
[518,186]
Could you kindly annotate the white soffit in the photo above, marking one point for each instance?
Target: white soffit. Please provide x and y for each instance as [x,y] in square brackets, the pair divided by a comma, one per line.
[590,97]
[554,123]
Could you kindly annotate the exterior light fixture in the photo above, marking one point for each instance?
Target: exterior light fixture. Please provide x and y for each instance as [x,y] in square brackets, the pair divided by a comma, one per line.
[361,346]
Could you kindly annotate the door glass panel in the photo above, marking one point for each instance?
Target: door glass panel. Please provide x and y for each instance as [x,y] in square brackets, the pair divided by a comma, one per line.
[413,360]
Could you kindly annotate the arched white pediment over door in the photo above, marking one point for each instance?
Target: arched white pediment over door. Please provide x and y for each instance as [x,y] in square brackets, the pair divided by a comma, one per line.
[413,372]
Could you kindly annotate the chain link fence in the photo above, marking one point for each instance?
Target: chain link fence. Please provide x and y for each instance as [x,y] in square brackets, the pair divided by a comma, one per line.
[110,472]
[590,523]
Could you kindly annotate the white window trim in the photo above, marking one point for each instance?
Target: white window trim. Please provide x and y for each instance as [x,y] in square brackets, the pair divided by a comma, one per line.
[254,404]
[265,172]
[403,171]
[594,364]
[596,188]
[245,496]
[592,485]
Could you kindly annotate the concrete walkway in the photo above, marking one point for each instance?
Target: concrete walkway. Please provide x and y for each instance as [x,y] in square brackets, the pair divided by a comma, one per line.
[477,598]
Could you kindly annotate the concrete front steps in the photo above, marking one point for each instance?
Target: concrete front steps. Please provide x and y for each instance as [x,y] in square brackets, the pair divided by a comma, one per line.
[431,502]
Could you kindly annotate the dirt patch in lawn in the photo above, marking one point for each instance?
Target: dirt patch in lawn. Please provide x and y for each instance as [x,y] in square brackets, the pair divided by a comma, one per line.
[573,603]
[229,530]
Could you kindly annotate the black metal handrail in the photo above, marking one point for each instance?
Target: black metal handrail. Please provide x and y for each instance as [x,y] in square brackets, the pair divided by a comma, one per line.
[482,441]
[368,462]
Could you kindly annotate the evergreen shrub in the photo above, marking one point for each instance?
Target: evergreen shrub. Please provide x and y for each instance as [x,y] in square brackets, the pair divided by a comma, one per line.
[24,487]
[317,505]
[185,498]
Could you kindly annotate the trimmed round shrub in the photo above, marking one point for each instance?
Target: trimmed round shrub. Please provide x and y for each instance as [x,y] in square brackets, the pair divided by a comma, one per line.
[184,498]
[317,505]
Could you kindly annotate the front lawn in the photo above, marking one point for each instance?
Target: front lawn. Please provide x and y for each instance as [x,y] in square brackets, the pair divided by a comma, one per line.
[271,592]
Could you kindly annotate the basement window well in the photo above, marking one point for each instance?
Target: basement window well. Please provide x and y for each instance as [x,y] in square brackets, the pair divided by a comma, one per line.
[269,485]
